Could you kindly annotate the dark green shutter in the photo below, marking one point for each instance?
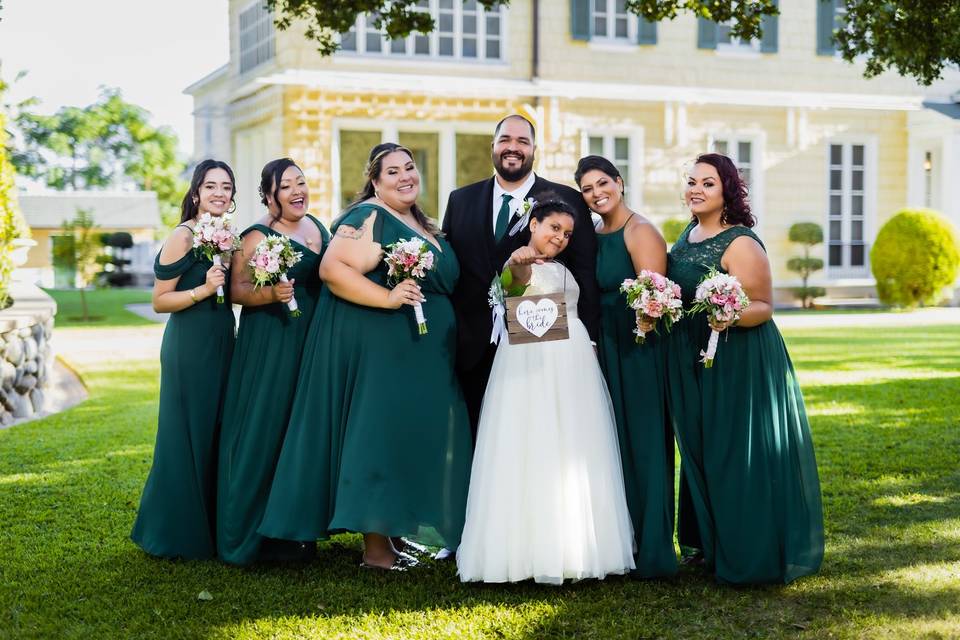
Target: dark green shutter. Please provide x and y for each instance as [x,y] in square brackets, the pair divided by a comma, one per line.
[580,19]
[646,31]
[768,43]
[706,34]
[826,18]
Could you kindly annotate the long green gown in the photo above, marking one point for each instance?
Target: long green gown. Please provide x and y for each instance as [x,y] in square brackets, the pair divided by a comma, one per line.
[635,377]
[744,438]
[379,439]
[263,378]
[177,509]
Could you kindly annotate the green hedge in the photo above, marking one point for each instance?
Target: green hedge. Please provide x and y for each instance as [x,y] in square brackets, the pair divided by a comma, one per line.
[915,258]
[12,225]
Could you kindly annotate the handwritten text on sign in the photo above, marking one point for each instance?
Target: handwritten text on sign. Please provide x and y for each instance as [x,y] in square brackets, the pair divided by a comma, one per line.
[537,318]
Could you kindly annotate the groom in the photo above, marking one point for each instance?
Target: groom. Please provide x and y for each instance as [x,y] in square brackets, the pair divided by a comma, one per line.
[480,224]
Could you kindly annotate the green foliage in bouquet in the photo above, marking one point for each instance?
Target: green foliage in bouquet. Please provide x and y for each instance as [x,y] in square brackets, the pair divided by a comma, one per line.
[915,258]
[808,234]
[510,288]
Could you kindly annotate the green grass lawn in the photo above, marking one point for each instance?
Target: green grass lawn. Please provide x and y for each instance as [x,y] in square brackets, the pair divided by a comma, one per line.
[105,306]
[884,406]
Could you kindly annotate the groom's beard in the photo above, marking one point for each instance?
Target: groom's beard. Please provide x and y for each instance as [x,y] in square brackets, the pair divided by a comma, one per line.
[513,175]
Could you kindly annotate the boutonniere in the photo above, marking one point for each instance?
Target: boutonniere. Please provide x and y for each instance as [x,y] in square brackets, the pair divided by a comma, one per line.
[523,212]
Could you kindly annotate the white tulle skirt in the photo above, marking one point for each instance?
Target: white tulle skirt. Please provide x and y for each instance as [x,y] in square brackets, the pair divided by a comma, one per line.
[546,492]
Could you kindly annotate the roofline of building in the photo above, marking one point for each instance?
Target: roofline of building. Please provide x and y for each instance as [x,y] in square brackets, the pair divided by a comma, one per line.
[487,88]
[211,77]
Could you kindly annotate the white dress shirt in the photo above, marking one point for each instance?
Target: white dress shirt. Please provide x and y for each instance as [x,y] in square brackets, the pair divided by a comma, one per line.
[519,195]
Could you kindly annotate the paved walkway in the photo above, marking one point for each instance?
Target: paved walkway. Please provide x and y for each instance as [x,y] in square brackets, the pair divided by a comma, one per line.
[918,318]
[145,310]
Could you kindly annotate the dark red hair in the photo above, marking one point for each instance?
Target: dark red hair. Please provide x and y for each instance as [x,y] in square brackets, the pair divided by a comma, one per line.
[736,202]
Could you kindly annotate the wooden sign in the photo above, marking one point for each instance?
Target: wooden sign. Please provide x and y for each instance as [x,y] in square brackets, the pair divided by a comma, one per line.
[537,318]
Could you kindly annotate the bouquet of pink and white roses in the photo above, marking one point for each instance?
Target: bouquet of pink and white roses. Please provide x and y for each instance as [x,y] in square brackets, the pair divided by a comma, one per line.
[215,238]
[723,299]
[271,260]
[653,297]
[409,259]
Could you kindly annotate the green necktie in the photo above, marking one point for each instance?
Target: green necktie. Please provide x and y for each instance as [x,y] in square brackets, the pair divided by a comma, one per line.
[503,217]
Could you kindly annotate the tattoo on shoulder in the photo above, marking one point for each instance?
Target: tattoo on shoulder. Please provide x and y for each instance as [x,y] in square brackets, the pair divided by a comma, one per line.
[349,232]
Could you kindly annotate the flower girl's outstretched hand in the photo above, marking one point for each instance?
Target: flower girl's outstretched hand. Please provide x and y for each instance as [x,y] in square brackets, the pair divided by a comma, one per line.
[525,256]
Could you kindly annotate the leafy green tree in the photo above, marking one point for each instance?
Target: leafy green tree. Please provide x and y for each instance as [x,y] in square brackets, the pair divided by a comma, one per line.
[106,144]
[12,224]
[673,227]
[916,39]
[87,249]
[808,234]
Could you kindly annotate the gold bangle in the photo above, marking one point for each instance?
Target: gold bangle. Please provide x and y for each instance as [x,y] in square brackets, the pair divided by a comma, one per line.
[193,295]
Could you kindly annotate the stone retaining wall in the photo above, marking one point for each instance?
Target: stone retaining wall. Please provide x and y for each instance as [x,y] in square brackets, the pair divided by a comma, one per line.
[26,359]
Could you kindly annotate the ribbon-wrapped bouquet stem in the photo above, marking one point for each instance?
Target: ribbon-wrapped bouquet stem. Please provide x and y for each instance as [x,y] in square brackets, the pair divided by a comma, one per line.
[654,298]
[409,259]
[215,238]
[273,257]
[722,298]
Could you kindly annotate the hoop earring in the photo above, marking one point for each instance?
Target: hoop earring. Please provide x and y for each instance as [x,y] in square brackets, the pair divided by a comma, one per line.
[233,206]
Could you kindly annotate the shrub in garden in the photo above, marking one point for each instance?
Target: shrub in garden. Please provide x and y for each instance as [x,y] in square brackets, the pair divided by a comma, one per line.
[808,234]
[673,227]
[12,224]
[915,258]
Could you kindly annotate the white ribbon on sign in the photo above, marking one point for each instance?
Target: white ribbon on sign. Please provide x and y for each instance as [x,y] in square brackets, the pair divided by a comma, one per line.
[499,326]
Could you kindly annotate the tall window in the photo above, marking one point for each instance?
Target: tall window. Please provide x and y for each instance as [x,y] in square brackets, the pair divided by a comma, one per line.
[847,210]
[726,39]
[741,152]
[256,36]
[616,149]
[611,20]
[464,31]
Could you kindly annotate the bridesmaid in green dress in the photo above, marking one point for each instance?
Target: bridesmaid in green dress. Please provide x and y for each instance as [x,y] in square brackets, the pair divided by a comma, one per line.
[177,509]
[741,426]
[378,441]
[628,243]
[265,367]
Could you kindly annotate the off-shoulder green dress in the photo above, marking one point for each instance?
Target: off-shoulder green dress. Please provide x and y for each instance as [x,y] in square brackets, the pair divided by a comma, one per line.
[263,378]
[178,507]
[744,438]
[635,376]
[379,439]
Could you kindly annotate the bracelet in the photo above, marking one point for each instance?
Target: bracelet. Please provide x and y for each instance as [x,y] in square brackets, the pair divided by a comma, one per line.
[193,295]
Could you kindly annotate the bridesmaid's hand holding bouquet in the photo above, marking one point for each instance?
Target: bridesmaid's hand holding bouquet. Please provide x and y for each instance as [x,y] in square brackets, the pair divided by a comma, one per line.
[271,260]
[409,260]
[723,299]
[215,238]
[653,297]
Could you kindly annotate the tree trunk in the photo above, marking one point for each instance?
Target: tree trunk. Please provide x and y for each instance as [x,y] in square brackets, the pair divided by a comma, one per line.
[83,304]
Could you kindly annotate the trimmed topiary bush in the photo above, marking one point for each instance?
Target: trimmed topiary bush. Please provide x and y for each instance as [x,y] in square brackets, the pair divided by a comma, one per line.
[12,224]
[808,234]
[673,227]
[915,258]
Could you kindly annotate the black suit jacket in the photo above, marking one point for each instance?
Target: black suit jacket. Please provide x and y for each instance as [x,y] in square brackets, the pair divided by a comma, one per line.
[468,225]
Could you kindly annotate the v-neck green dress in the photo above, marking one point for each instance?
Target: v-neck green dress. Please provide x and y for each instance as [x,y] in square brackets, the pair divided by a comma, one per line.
[178,506]
[744,437]
[379,439]
[263,379]
[635,378]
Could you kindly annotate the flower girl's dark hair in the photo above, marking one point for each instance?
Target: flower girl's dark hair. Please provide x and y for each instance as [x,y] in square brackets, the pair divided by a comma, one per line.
[549,203]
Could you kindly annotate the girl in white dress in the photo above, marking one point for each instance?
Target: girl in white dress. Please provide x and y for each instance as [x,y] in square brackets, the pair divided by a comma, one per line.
[546,492]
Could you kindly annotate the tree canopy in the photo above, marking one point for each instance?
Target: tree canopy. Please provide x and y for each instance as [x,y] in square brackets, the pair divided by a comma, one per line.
[104,145]
[915,39]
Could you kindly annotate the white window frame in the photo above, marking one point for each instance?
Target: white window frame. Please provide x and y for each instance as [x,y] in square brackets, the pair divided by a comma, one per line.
[635,141]
[361,27]
[264,16]
[390,132]
[845,272]
[611,18]
[758,149]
